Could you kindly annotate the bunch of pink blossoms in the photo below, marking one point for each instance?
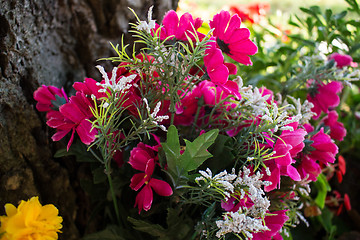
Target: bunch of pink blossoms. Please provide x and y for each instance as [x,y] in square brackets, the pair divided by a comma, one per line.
[150,90]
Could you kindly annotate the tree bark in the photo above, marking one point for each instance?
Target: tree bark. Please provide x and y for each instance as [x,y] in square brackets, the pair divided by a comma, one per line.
[52,42]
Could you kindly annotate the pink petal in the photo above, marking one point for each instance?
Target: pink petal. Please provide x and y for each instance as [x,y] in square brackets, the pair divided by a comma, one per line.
[162,188]
[71,140]
[219,74]
[184,26]
[232,68]
[219,23]
[150,166]
[293,173]
[86,134]
[137,181]
[241,58]
[72,112]
[243,47]
[234,24]
[239,35]
[144,198]
[171,22]
[60,134]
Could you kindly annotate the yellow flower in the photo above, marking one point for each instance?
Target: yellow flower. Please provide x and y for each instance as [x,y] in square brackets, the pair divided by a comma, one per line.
[30,221]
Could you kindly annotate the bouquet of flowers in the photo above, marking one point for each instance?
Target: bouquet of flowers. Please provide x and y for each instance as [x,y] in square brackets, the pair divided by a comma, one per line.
[181,148]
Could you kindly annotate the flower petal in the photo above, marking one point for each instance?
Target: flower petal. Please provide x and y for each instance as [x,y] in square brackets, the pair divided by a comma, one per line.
[161,187]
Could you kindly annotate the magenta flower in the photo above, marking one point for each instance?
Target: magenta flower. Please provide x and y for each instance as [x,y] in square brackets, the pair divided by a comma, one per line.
[173,27]
[342,60]
[187,107]
[233,204]
[217,70]
[45,95]
[142,159]
[274,222]
[309,168]
[231,39]
[267,92]
[74,116]
[325,149]
[337,129]
[325,97]
[289,144]
[213,93]
[89,87]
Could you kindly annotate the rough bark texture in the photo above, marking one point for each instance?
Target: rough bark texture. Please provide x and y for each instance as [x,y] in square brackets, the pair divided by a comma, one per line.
[51,42]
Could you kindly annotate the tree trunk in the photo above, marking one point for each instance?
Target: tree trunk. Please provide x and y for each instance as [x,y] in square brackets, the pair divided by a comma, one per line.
[52,42]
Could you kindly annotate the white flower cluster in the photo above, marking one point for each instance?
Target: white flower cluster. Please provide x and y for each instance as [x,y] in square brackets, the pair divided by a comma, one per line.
[303,110]
[280,118]
[245,220]
[253,99]
[222,179]
[147,26]
[121,85]
[153,118]
[236,222]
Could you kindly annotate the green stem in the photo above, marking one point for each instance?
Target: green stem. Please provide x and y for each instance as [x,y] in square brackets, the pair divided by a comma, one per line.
[108,174]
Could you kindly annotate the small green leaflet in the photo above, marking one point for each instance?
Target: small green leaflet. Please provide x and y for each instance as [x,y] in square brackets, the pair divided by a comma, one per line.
[194,155]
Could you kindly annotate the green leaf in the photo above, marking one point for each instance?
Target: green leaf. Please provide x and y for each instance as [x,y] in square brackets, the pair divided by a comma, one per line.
[323,187]
[340,15]
[58,102]
[98,175]
[79,150]
[172,148]
[196,152]
[110,233]
[326,220]
[179,226]
[222,155]
[328,14]
[153,229]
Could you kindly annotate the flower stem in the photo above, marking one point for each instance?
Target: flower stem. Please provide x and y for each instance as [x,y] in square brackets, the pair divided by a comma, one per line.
[108,174]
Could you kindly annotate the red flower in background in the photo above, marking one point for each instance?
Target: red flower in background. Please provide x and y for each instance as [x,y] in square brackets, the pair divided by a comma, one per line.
[336,203]
[253,12]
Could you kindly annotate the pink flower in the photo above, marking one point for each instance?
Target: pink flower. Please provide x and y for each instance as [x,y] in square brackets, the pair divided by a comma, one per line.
[213,93]
[46,95]
[217,70]
[274,222]
[142,158]
[325,149]
[233,204]
[267,92]
[324,97]
[341,60]
[186,109]
[89,87]
[179,29]
[231,39]
[74,116]
[289,144]
[337,129]
[309,168]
